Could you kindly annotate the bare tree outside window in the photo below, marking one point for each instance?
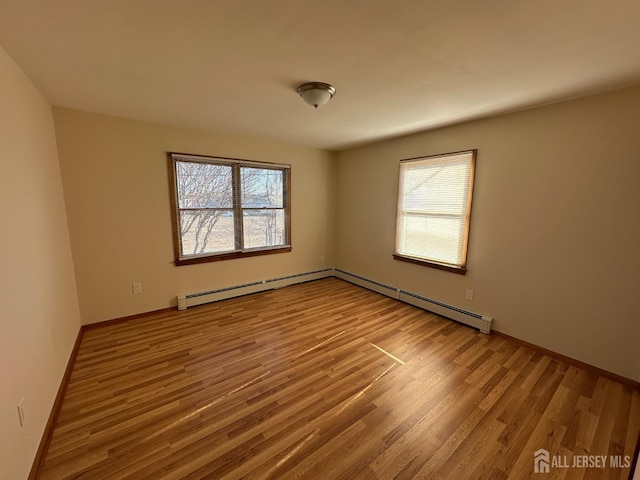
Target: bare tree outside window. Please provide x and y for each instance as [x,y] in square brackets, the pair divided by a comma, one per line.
[262,207]
[226,207]
[205,196]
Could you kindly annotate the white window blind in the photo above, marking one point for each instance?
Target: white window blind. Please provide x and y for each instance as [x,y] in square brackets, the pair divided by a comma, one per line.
[434,208]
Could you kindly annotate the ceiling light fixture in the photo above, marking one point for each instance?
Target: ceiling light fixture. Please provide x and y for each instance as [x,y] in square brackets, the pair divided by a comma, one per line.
[316,93]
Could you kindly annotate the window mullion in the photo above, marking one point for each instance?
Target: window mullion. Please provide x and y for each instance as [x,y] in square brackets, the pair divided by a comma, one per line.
[237,208]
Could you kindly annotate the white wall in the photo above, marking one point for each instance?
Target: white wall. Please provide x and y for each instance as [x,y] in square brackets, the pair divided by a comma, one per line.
[39,316]
[554,252]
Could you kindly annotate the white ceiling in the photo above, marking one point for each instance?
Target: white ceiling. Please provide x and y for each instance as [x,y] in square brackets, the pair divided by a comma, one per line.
[398,66]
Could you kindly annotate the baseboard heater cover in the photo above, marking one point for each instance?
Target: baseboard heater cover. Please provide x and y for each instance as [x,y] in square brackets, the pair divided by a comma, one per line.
[481,322]
[191,300]
[367,283]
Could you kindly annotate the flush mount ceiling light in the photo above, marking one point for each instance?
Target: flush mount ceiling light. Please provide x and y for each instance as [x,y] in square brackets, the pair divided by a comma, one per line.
[316,93]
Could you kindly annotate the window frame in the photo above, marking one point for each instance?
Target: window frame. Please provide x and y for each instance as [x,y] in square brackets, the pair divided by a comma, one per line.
[236,164]
[459,269]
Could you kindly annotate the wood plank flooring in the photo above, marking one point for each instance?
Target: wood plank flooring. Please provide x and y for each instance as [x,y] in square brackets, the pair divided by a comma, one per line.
[326,380]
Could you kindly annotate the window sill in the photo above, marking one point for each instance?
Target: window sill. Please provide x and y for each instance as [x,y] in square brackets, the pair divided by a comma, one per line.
[231,255]
[427,263]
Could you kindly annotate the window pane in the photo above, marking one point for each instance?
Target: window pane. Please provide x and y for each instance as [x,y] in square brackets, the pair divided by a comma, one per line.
[204,185]
[206,231]
[263,228]
[261,188]
[433,238]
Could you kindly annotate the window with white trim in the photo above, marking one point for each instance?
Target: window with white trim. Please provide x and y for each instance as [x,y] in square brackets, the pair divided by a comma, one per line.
[227,208]
[434,210]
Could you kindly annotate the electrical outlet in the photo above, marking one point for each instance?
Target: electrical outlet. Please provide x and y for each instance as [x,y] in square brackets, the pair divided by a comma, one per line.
[137,288]
[21,412]
[321,258]
[468,294]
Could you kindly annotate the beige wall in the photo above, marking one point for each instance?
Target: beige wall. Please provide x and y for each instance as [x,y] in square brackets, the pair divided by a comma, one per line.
[116,188]
[39,317]
[554,240]
[554,252]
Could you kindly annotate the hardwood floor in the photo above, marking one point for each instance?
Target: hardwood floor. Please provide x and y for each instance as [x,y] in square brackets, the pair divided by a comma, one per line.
[326,380]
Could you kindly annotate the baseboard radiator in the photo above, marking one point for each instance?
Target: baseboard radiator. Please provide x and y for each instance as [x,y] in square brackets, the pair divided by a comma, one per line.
[186,301]
[481,322]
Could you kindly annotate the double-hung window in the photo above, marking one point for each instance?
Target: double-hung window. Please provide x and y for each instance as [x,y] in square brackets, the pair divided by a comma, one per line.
[434,210]
[226,208]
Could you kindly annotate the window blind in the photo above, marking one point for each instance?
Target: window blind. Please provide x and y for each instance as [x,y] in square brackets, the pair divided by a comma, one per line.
[434,207]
